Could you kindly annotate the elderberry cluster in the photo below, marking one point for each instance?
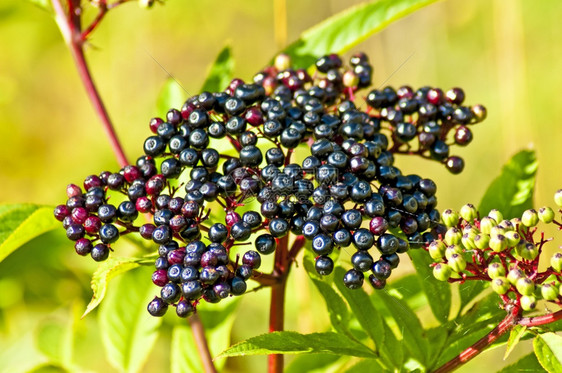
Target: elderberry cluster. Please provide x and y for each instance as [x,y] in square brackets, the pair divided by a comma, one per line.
[222,150]
[504,252]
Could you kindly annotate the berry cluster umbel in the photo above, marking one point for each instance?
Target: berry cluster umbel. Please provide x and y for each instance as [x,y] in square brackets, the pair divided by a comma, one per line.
[505,253]
[346,193]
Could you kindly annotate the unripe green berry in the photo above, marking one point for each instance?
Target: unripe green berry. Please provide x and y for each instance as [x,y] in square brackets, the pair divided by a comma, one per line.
[350,79]
[486,224]
[498,243]
[530,218]
[146,3]
[500,285]
[546,215]
[282,62]
[498,229]
[558,198]
[436,250]
[514,275]
[468,241]
[527,250]
[457,263]
[516,222]
[528,302]
[470,230]
[452,249]
[513,238]
[468,212]
[496,270]
[506,225]
[525,286]
[556,262]
[496,215]
[453,236]
[549,292]
[481,241]
[450,218]
[442,272]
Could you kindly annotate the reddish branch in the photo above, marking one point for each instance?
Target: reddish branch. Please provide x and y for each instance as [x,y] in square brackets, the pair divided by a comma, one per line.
[513,318]
[70,26]
[201,343]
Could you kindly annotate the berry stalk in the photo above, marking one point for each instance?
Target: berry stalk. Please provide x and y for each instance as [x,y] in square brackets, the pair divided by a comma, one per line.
[277,305]
[201,343]
[482,344]
[70,29]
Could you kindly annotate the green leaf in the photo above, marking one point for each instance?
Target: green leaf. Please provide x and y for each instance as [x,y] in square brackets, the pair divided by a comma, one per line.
[527,363]
[512,191]
[438,293]
[50,335]
[367,366]
[44,4]
[469,291]
[19,223]
[172,95]
[342,31]
[219,74]
[317,363]
[410,288]
[48,368]
[339,313]
[106,271]
[295,343]
[411,328]
[128,331]
[184,357]
[514,337]
[392,350]
[362,308]
[548,348]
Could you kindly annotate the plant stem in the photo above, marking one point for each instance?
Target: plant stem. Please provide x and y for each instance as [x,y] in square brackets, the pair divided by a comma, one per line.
[201,343]
[482,344]
[277,304]
[541,320]
[69,24]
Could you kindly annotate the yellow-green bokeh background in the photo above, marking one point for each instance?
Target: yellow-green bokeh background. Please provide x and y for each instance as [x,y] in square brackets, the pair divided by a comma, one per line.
[507,55]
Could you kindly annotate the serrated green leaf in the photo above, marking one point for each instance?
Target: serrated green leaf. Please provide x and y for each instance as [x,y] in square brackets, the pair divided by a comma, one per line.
[19,223]
[410,288]
[295,343]
[106,271]
[392,350]
[436,339]
[437,292]
[337,309]
[317,363]
[362,308]
[219,74]
[411,328]
[128,331]
[172,95]
[548,349]
[367,366]
[342,31]
[512,191]
[184,357]
[528,363]
[514,337]
[469,291]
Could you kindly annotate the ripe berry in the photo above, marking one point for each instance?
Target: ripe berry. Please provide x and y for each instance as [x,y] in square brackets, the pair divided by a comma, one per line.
[353,279]
[157,307]
[184,308]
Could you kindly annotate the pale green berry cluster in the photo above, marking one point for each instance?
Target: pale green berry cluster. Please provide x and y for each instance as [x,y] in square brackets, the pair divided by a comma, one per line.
[503,252]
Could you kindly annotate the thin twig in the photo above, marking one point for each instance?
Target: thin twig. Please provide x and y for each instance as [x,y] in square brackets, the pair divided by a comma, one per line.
[201,343]
[70,29]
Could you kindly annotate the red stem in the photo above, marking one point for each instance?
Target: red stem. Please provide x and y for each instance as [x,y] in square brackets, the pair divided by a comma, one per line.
[482,344]
[277,305]
[69,25]
[201,343]
[541,320]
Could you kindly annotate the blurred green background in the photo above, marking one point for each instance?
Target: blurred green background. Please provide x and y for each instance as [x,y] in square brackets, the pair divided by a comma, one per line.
[507,55]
